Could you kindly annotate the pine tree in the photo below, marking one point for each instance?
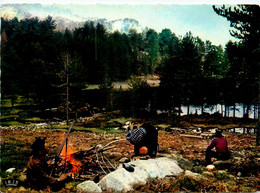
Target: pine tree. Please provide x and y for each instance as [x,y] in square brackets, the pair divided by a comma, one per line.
[245,19]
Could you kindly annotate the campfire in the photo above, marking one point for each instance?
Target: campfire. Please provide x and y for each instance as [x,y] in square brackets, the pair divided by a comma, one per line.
[83,164]
[72,164]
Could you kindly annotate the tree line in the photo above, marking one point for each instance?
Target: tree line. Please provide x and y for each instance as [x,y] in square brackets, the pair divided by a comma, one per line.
[40,62]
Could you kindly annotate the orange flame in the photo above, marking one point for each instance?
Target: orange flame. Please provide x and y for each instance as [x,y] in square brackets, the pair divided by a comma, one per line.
[69,157]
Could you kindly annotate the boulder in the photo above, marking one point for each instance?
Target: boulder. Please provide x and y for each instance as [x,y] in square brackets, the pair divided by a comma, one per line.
[10,170]
[123,180]
[208,174]
[210,168]
[222,164]
[124,160]
[88,186]
[194,176]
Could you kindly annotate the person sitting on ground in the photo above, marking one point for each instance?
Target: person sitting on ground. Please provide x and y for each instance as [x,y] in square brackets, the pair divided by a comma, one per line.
[144,138]
[38,171]
[221,148]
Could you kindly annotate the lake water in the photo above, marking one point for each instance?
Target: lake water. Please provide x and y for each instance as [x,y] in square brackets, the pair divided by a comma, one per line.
[217,108]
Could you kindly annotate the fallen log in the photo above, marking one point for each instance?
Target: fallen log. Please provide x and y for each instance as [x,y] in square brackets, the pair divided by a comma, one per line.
[206,135]
[191,136]
[91,151]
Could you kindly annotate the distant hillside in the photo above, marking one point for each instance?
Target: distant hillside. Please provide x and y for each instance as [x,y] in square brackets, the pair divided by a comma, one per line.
[65,17]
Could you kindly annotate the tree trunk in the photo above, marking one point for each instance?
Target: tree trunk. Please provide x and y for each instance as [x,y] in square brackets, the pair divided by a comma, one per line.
[258,125]
[244,110]
[67,99]
[12,101]
[247,111]
[12,97]
[111,100]
[234,112]
[67,88]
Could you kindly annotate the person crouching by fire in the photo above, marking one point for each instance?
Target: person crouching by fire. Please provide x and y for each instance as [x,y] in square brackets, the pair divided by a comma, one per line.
[38,170]
[145,137]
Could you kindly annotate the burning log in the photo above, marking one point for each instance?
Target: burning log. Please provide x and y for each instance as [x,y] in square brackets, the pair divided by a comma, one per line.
[85,162]
[59,152]
[76,163]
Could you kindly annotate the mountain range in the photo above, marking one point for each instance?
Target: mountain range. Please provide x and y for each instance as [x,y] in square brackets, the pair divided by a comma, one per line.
[66,17]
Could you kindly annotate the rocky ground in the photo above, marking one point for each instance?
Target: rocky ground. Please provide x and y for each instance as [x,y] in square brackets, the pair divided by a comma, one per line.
[244,170]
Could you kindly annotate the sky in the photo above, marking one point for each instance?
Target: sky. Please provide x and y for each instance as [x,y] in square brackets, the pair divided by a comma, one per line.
[134,1]
[189,15]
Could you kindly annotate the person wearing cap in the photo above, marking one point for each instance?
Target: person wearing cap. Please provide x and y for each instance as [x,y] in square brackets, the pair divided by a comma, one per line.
[221,148]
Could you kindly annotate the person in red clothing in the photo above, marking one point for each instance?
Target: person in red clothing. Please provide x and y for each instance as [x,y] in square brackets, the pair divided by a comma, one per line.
[221,148]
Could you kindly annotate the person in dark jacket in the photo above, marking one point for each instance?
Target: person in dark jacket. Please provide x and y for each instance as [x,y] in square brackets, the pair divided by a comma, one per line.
[144,137]
[221,148]
[38,170]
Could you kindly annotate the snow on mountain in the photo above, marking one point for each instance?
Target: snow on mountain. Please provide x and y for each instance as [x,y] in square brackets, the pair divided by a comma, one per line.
[65,18]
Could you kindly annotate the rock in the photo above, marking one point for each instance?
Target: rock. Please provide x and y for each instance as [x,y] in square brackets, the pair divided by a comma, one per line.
[10,170]
[222,172]
[210,168]
[40,125]
[115,154]
[222,175]
[231,177]
[193,175]
[124,160]
[207,174]
[121,180]
[22,189]
[88,186]
[222,164]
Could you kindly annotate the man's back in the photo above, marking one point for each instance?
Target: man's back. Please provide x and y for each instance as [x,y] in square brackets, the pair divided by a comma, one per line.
[151,138]
[220,143]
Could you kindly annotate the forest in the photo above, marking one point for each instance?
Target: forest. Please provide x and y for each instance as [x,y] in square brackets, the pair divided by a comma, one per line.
[56,68]
[51,79]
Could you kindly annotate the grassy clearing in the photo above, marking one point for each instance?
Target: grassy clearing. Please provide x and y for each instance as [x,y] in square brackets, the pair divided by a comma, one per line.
[163,126]
[20,100]
[14,154]
[121,120]
[12,123]
[81,128]
[16,120]
[35,120]
[8,117]
[91,87]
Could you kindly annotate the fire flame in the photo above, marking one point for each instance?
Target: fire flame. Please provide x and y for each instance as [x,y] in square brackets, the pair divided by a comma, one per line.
[70,158]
